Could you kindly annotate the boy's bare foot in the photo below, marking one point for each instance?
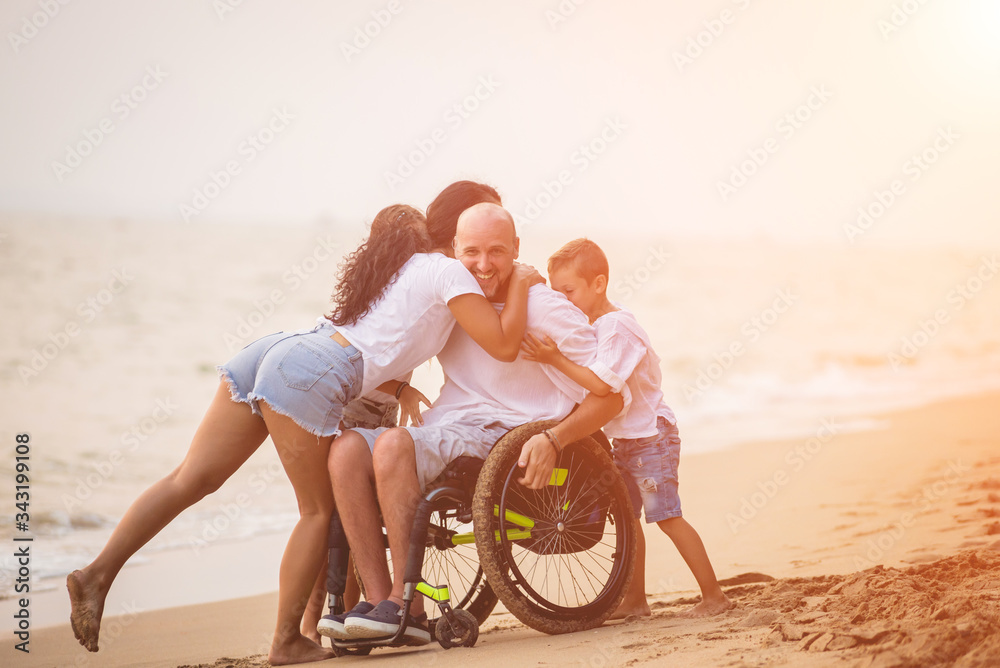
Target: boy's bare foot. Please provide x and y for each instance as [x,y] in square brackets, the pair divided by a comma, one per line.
[298,649]
[708,607]
[630,609]
[86,609]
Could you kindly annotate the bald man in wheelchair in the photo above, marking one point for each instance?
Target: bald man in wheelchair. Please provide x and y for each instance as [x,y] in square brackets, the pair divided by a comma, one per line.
[479,402]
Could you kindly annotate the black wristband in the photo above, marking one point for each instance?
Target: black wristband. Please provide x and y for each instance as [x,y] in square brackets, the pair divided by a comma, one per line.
[553,440]
[399,390]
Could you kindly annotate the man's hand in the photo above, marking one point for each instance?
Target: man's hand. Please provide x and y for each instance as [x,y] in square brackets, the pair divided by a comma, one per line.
[536,350]
[409,406]
[538,458]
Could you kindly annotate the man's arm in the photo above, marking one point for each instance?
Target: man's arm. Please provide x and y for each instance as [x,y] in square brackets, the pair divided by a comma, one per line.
[538,456]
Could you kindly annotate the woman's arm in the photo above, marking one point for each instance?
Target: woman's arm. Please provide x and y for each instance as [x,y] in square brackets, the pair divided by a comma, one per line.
[500,336]
[409,399]
[547,352]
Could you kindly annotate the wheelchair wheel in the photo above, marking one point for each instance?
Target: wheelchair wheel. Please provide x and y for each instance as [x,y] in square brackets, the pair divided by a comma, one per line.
[464,633]
[559,558]
[457,566]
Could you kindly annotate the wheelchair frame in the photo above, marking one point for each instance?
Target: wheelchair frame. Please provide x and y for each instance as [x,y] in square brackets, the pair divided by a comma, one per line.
[570,516]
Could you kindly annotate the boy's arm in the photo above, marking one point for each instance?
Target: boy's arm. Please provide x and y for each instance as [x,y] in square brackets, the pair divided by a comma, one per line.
[547,352]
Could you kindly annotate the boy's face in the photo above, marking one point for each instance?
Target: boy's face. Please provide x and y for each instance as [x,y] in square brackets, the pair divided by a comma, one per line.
[585,296]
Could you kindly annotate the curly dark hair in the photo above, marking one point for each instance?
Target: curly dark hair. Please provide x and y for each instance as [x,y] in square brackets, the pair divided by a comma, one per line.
[397,232]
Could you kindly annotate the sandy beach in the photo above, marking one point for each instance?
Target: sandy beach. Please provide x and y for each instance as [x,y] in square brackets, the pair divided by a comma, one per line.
[878,548]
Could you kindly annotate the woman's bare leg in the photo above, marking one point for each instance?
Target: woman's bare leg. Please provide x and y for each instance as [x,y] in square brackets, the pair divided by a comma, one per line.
[228,434]
[304,458]
[314,608]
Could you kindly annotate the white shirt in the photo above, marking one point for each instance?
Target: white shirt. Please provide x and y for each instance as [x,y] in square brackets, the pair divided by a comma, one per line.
[626,362]
[412,321]
[481,390]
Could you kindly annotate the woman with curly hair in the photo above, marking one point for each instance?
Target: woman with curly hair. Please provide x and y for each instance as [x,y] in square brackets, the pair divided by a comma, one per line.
[395,305]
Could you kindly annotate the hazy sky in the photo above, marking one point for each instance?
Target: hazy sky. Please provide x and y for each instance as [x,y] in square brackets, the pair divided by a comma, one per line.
[730,118]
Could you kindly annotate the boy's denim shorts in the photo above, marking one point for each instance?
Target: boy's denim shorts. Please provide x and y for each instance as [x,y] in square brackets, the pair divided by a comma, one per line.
[305,375]
[649,466]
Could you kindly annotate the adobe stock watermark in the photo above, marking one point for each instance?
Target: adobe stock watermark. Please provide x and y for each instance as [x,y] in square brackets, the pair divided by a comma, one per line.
[698,43]
[121,108]
[887,539]
[247,151]
[956,299]
[786,127]
[581,159]
[224,7]
[130,440]
[913,168]
[33,24]
[293,277]
[796,458]
[562,12]
[453,118]
[656,259]
[900,15]
[363,35]
[258,482]
[751,330]
[89,309]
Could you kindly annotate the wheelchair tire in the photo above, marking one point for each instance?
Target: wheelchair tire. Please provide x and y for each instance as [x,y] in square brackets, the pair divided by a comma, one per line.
[465,635]
[572,569]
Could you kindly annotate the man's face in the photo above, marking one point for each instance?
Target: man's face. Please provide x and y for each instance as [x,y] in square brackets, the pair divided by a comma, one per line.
[486,245]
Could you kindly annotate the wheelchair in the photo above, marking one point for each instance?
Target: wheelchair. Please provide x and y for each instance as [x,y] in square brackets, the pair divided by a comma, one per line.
[560,559]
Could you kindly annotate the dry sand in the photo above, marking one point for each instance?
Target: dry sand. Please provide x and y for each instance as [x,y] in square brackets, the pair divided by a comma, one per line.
[882,549]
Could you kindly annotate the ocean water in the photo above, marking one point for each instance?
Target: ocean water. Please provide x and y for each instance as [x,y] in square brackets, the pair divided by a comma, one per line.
[112,329]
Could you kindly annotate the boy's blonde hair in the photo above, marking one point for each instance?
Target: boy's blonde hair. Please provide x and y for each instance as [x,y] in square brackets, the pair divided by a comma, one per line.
[585,256]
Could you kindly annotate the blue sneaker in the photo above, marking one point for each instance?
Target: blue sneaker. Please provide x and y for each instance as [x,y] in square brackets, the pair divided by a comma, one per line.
[332,626]
[383,621]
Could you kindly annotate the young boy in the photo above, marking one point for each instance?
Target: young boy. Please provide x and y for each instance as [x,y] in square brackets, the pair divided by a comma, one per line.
[646,444]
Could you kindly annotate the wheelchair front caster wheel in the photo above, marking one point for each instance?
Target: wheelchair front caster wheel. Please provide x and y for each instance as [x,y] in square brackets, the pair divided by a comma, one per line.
[464,632]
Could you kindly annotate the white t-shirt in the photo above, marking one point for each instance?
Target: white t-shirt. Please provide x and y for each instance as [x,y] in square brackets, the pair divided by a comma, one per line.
[412,321]
[481,390]
[626,361]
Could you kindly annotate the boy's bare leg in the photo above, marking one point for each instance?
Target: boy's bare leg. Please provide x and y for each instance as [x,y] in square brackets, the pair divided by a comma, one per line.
[634,603]
[688,543]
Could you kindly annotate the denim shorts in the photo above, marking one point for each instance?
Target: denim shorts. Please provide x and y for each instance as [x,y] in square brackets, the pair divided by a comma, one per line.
[649,466]
[305,375]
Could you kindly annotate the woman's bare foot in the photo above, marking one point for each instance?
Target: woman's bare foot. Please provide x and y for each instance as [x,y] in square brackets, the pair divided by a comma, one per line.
[709,607]
[86,608]
[298,649]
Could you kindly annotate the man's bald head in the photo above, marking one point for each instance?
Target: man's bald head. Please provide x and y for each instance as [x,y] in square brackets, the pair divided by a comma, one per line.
[486,215]
[487,244]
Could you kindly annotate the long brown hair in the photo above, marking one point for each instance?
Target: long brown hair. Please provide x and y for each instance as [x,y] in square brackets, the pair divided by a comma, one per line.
[443,212]
[397,232]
